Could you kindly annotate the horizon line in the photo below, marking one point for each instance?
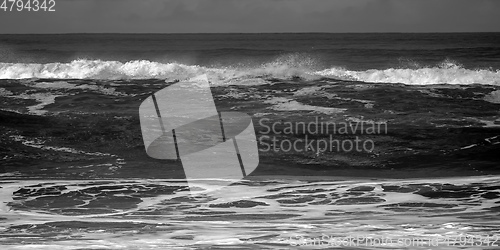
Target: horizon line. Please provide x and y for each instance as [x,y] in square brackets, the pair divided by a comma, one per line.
[249,33]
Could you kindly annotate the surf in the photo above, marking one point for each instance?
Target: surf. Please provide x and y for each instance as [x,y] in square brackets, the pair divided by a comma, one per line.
[446,73]
[284,68]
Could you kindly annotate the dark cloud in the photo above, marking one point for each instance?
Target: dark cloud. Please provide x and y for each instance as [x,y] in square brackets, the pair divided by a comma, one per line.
[144,16]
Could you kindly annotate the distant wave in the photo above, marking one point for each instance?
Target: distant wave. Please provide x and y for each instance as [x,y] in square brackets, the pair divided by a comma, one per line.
[447,73]
[96,69]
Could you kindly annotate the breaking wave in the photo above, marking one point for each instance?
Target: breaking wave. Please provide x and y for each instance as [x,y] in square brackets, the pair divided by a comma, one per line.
[447,73]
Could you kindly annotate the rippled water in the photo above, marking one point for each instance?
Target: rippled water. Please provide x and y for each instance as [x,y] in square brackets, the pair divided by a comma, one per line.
[262,213]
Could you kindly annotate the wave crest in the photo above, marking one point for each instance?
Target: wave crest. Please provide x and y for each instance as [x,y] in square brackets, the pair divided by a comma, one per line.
[96,69]
[284,68]
[446,73]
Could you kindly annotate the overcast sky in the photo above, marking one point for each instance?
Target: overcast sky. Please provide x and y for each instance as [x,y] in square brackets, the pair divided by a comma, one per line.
[193,16]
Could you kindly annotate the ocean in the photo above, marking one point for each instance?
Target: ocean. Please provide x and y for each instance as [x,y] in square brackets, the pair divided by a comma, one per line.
[409,160]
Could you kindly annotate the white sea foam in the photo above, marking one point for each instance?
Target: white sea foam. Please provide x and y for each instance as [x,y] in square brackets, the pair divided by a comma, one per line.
[44,99]
[4,92]
[66,85]
[447,73]
[308,91]
[493,97]
[444,74]
[47,98]
[181,222]
[96,69]
[284,104]
[38,143]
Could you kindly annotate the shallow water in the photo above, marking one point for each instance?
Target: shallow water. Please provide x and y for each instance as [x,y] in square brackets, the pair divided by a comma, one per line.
[261,213]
